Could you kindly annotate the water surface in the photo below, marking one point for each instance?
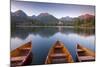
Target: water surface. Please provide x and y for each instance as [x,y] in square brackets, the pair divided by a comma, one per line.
[43,38]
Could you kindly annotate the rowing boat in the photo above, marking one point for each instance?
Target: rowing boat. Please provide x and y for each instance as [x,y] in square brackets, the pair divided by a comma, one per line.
[58,54]
[84,54]
[21,55]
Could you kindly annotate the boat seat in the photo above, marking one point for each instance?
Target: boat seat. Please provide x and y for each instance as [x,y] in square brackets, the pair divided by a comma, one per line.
[80,50]
[20,58]
[62,60]
[58,46]
[17,63]
[86,58]
[25,48]
[59,55]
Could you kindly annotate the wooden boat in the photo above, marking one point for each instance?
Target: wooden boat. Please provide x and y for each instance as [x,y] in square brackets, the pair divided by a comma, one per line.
[58,54]
[21,55]
[84,54]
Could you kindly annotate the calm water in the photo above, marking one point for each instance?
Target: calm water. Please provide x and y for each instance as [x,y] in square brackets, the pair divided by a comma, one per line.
[44,37]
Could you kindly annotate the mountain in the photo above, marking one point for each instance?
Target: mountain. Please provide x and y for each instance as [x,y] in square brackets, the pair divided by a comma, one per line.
[81,17]
[20,13]
[18,16]
[86,16]
[47,18]
[85,20]
[33,17]
[43,14]
[67,18]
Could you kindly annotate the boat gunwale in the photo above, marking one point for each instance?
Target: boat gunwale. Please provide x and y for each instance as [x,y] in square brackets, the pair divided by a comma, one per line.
[27,55]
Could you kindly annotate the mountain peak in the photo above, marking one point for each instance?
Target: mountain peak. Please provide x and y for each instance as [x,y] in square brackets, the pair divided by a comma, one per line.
[86,16]
[44,14]
[67,18]
[20,13]
[33,16]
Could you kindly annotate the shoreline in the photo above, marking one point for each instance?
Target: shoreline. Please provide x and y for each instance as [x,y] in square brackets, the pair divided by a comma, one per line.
[60,26]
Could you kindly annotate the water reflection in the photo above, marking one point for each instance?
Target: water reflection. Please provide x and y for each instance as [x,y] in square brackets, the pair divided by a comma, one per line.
[49,31]
[44,37]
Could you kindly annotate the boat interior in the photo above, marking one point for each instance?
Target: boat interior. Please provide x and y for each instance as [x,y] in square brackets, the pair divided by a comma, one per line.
[18,55]
[84,55]
[58,54]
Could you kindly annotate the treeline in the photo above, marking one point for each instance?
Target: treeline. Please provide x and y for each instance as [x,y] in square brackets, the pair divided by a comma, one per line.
[84,23]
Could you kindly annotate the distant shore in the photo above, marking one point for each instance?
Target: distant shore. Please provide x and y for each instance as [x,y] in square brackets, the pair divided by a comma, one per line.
[60,26]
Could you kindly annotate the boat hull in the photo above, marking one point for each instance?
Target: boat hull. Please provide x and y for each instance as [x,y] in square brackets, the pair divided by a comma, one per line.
[58,54]
[22,55]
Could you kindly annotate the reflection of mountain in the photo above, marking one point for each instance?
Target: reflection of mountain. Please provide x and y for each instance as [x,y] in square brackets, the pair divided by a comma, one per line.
[49,31]
[24,32]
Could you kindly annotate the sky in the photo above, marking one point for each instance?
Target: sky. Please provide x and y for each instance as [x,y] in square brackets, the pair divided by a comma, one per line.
[57,10]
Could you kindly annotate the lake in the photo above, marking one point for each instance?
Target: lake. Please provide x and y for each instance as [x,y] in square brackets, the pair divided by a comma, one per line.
[43,38]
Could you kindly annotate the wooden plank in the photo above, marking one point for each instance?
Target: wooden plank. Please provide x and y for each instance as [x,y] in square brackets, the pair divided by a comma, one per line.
[80,50]
[59,54]
[18,58]
[86,58]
